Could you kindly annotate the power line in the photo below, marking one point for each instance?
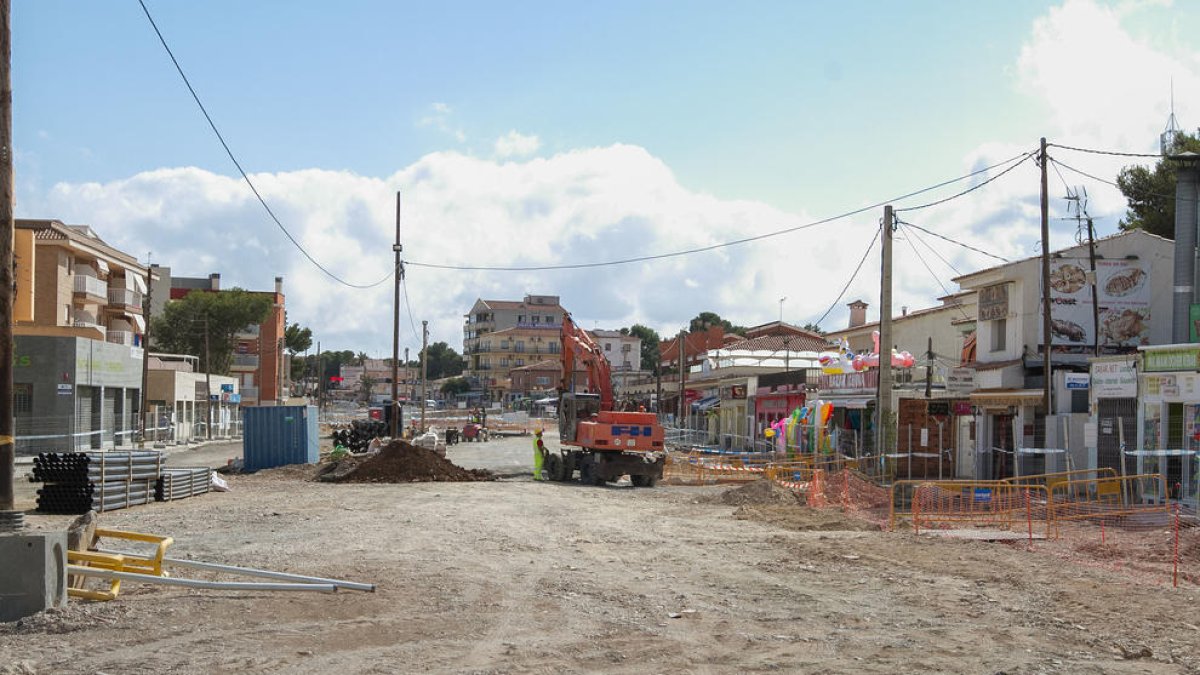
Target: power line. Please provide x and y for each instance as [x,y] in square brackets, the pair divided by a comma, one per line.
[850,280]
[408,305]
[927,245]
[702,249]
[1022,160]
[934,275]
[238,164]
[958,243]
[1094,151]
[1068,167]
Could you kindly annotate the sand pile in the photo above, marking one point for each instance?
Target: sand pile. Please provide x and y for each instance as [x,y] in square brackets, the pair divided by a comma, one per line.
[759,492]
[399,462]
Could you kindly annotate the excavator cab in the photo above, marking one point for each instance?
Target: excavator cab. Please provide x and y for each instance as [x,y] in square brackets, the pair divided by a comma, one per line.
[572,408]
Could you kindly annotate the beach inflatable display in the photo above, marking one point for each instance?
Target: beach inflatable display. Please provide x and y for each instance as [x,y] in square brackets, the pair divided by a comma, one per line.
[899,359]
[838,361]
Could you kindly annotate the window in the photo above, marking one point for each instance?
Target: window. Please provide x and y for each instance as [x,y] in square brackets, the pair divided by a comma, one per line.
[542,380]
[626,347]
[536,318]
[549,319]
[521,346]
[999,331]
[520,318]
[22,399]
[608,346]
[520,362]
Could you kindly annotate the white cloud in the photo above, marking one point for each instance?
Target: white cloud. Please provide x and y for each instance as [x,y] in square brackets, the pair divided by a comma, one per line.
[514,144]
[439,118]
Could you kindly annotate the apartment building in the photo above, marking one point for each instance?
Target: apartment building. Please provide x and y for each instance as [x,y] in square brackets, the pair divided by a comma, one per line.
[78,327]
[499,335]
[259,361]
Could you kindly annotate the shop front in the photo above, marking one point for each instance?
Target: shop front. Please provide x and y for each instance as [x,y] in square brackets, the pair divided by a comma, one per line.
[1169,419]
[1005,421]
[1114,407]
[853,398]
[777,395]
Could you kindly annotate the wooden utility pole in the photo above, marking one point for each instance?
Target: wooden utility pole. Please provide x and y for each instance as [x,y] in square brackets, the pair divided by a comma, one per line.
[1095,293]
[10,519]
[884,403]
[320,379]
[396,331]
[424,368]
[1046,326]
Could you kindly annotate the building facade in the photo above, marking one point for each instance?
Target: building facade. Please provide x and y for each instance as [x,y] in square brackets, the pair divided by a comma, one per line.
[500,335]
[78,327]
[259,360]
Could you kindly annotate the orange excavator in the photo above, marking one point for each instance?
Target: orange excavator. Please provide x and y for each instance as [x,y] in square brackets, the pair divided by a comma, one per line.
[600,443]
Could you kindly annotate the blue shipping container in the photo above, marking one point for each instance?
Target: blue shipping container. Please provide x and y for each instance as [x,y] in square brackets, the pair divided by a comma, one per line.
[279,435]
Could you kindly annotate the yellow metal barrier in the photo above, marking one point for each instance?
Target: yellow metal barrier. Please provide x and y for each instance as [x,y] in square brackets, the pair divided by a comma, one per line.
[108,561]
[983,504]
[1114,497]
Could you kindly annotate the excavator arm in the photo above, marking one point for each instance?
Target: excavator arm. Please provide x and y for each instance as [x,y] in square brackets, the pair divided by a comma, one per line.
[578,345]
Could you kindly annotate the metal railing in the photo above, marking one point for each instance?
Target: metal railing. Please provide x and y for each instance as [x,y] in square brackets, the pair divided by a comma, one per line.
[120,337]
[244,361]
[124,297]
[248,332]
[85,284]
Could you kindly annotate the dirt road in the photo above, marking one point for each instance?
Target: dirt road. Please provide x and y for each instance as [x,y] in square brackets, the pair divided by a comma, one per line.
[516,576]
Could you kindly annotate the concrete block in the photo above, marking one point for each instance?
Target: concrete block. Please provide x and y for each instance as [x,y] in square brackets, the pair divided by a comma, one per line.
[35,573]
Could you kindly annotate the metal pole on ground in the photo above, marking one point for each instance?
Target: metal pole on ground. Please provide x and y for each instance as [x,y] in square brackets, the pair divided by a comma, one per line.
[395,417]
[424,368]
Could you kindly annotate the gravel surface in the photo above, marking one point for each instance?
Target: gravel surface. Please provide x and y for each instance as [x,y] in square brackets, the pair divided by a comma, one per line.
[516,576]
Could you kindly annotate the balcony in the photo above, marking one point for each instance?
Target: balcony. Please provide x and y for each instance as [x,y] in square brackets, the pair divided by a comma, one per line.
[244,362]
[248,333]
[249,394]
[125,299]
[90,287]
[121,337]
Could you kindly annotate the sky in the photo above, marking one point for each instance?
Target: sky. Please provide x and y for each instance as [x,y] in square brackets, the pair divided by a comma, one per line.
[545,133]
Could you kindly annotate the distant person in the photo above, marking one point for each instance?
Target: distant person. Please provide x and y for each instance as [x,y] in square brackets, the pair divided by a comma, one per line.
[539,454]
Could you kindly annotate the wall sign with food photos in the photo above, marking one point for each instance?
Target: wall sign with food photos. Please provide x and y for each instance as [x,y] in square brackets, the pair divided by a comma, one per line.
[1123,295]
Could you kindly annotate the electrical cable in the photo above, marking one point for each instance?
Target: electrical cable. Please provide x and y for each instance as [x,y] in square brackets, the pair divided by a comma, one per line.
[1023,158]
[1094,151]
[702,249]
[927,245]
[408,306]
[959,243]
[1068,167]
[934,275]
[851,279]
[238,164]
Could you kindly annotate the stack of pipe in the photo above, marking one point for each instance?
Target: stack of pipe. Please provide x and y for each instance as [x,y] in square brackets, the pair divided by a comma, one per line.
[77,482]
[180,483]
[360,434]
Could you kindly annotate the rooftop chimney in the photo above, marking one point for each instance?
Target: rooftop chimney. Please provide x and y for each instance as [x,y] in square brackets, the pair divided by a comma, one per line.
[279,285]
[214,281]
[904,310]
[858,313]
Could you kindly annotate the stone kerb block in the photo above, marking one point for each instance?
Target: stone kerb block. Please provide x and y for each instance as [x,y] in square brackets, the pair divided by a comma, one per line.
[34,574]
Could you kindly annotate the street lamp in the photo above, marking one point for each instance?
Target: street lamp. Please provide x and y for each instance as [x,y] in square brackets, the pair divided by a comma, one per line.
[781,308]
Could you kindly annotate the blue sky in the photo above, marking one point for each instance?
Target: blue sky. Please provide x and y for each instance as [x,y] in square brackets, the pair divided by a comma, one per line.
[731,122]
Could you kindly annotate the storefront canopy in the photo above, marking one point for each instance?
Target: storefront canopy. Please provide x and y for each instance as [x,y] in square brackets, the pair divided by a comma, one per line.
[1003,398]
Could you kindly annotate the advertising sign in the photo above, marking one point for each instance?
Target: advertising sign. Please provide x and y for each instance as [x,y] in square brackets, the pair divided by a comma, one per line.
[1114,380]
[993,302]
[1122,294]
[960,379]
[1077,380]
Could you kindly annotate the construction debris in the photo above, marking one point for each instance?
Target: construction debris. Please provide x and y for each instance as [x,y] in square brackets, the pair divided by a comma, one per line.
[399,462]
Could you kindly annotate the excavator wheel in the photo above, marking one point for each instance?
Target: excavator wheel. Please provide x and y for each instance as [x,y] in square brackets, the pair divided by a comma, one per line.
[568,468]
[587,475]
[554,468]
[639,481]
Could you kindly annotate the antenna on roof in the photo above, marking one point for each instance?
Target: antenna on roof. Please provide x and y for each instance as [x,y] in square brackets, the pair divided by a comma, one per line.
[1168,142]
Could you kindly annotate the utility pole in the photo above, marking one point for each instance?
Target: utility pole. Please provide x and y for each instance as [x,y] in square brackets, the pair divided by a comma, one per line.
[146,306]
[10,519]
[884,404]
[1095,292]
[207,382]
[1046,367]
[424,368]
[320,379]
[682,380]
[929,369]
[396,331]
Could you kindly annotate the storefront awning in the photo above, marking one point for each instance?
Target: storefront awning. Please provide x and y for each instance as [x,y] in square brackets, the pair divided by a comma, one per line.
[139,284]
[140,322]
[706,403]
[859,403]
[1003,398]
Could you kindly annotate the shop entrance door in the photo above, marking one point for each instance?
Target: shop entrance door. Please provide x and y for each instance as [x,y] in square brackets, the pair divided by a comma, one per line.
[1002,447]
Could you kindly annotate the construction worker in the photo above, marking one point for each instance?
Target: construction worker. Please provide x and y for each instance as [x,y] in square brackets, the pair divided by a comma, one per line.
[539,454]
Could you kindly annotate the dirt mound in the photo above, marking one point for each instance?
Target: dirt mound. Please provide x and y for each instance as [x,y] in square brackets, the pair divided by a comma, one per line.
[759,492]
[399,462]
[802,518]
